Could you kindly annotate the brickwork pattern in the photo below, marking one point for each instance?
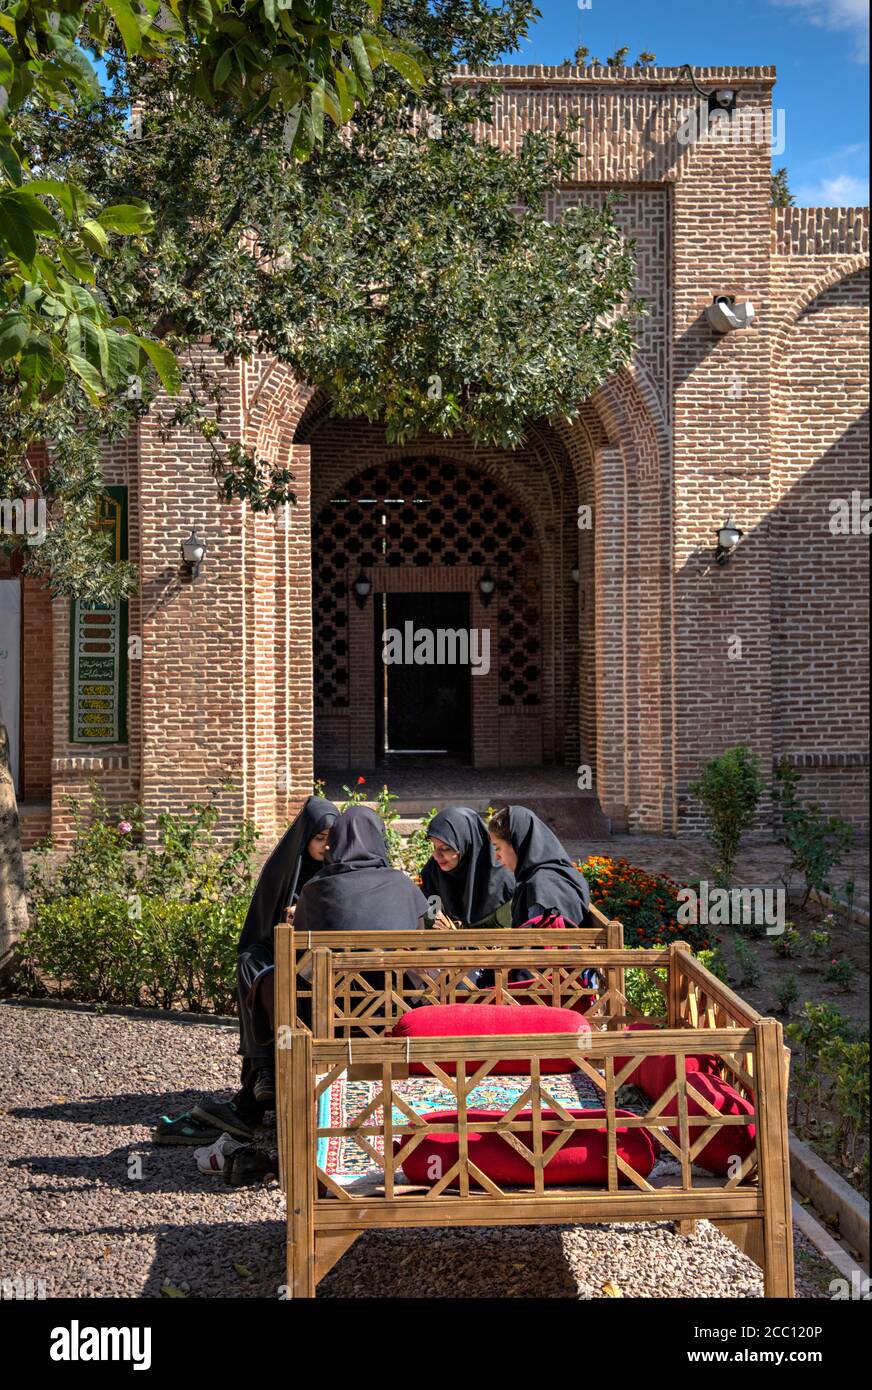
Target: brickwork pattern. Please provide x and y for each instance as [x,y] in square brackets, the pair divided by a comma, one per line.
[655,659]
[821,579]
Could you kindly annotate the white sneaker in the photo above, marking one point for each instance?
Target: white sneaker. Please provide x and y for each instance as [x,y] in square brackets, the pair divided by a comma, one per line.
[211,1158]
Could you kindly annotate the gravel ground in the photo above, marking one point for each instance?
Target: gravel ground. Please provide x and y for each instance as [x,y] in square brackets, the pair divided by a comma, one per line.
[91,1207]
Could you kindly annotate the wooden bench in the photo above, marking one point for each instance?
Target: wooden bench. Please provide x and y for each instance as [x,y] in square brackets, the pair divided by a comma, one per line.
[700,1014]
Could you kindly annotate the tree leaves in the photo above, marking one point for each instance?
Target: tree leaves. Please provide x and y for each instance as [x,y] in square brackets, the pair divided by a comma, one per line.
[14,332]
[164,363]
[267,54]
[127,218]
[126,21]
[16,230]
[403,63]
[360,59]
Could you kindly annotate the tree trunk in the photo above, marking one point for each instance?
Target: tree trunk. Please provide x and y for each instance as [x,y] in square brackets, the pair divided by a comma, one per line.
[13,902]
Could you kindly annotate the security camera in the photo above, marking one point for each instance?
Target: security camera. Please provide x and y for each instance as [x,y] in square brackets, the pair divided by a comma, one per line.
[725,314]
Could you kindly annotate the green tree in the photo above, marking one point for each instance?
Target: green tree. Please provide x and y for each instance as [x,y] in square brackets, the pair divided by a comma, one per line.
[287,55]
[781,196]
[729,788]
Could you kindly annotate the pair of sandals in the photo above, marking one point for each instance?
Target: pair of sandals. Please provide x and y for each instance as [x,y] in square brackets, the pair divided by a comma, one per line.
[243,1167]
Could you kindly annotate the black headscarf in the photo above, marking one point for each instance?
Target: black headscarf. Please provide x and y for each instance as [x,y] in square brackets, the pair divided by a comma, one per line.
[545,877]
[357,890]
[283,875]
[478,885]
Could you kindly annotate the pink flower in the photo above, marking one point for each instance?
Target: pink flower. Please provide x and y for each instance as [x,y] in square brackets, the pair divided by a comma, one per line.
[125,827]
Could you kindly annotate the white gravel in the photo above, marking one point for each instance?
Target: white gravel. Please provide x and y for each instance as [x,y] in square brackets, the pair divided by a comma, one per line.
[92,1208]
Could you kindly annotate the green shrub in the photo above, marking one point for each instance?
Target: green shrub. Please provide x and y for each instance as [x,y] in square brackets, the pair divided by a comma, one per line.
[820,942]
[829,1058]
[105,856]
[643,994]
[110,949]
[728,788]
[848,1065]
[788,943]
[416,848]
[185,862]
[816,842]
[841,973]
[787,993]
[749,968]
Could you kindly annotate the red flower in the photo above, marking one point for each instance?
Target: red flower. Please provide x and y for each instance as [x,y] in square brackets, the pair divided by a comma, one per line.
[361,781]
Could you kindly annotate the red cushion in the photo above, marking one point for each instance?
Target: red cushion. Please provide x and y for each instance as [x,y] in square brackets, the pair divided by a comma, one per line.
[635,1076]
[484,1021]
[582,1159]
[729,1141]
[654,1074]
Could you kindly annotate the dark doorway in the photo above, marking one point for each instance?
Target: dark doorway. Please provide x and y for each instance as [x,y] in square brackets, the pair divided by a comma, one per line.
[422,708]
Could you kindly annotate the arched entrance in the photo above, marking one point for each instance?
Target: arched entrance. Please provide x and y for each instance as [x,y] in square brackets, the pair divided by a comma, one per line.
[426,663]
[604,595]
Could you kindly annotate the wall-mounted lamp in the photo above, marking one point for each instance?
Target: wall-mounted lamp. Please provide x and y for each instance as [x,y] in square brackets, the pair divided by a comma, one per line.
[725,313]
[362,589]
[720,99]
[486,586]
[728,538]
[193,550]
[575,575]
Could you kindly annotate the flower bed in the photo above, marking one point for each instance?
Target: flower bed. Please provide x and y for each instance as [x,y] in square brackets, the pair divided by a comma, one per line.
[646,903]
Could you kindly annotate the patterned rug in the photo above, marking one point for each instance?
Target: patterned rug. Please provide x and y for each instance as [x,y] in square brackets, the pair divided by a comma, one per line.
[345,1160]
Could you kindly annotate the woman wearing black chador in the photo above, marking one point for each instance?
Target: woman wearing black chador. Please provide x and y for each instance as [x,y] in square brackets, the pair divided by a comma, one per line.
[296,859]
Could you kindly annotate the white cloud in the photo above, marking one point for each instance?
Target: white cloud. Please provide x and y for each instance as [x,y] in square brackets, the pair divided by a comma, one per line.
[840,191]
[851,16]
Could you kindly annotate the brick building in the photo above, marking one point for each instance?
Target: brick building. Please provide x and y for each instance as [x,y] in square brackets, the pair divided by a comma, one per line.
[621,646]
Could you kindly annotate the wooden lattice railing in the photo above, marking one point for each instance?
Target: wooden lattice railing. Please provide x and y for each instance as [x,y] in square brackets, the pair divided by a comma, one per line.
[357,995]
[298,947]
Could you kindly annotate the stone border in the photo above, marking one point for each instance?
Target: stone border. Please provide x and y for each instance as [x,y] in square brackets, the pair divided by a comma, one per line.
[23,1001]
[861,914]
[824,1242]
[831,1195]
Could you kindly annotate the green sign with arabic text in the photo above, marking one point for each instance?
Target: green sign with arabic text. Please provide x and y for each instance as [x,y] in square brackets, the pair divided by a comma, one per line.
[98,647]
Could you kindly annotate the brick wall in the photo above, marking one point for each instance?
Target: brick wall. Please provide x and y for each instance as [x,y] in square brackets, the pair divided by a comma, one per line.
[655,659]
[821,580]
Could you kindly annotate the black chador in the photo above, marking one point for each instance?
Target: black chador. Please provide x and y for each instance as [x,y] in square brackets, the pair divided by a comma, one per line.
[282,878]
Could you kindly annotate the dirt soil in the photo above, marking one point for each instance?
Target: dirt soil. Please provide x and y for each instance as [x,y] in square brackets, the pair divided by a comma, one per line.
[851,942]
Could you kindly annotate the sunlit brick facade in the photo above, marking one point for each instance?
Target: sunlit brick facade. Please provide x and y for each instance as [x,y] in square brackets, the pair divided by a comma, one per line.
[652,658]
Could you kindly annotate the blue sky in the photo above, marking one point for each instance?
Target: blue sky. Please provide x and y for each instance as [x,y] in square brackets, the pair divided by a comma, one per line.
[819,48]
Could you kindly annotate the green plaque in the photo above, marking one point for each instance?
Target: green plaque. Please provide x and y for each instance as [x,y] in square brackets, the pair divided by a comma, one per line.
[98,647]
